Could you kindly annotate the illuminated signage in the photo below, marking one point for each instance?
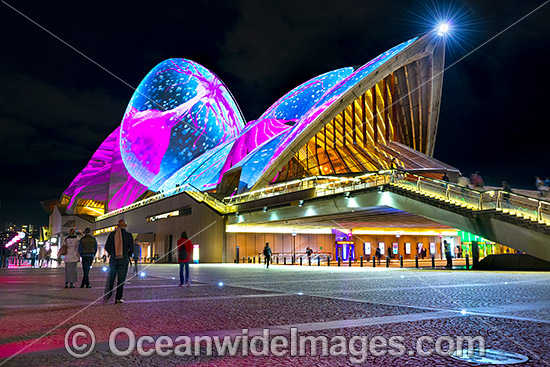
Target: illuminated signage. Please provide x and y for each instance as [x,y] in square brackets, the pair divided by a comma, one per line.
[366,248]
[104,230]
[407,248]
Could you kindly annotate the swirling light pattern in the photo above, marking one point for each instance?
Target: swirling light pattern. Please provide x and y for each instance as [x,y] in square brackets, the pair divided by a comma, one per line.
[189,110]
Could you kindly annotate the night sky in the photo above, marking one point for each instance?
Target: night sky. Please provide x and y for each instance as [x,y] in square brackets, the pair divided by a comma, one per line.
[56,106]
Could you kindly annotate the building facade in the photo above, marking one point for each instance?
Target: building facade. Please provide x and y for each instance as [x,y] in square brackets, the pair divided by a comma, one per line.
[184,159]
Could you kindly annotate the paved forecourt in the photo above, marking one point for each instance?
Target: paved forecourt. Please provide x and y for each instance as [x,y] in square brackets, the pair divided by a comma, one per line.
[510,310]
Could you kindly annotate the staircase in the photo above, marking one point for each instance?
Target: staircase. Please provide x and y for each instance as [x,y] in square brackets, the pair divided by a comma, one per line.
[509,207]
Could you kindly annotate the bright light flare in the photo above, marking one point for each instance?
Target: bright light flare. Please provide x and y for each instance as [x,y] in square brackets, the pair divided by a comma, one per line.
[220,284]
[142,274]
[104,268]
[443,28]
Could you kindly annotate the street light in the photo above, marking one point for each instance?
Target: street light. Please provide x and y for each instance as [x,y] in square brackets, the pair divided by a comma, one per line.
[443,28]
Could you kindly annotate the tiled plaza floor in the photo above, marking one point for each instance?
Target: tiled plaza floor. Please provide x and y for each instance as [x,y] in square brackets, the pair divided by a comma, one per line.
[510,310]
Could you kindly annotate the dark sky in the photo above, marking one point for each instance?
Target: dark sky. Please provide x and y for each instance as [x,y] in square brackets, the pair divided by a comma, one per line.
[56,106]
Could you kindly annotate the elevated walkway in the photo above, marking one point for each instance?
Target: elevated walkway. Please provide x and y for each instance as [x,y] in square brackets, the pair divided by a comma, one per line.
[515,220]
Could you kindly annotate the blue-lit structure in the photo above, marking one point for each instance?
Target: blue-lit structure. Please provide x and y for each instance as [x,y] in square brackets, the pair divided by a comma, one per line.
[183,127]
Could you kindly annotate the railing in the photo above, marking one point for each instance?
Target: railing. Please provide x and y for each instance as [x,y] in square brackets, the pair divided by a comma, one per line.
[279,258]
[324,185]
[499,200]
[280,189]
[189,189]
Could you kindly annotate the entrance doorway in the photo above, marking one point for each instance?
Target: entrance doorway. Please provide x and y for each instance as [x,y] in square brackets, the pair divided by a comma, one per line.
[345,250]
[168,246]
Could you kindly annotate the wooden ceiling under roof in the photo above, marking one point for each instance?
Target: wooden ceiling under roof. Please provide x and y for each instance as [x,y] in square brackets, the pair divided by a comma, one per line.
[393,124]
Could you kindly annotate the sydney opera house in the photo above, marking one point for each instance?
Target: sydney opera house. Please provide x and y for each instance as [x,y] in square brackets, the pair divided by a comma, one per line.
[343,163]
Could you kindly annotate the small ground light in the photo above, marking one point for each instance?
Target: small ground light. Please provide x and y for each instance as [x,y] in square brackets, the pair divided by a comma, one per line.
[505,282]
[220,284]
[142,274]
[300,293]
[463,312]
[173,278]
[104,268]
[402,276]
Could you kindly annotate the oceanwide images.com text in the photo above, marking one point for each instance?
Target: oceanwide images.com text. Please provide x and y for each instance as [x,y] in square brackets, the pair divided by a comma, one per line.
[80,342]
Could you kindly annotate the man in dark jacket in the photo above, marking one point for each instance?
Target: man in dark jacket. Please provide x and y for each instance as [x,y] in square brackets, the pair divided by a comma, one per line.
[87,249]
[120,246]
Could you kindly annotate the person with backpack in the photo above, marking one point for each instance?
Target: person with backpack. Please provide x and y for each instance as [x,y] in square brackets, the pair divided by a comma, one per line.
[87,249]
[267,254]
[185,248]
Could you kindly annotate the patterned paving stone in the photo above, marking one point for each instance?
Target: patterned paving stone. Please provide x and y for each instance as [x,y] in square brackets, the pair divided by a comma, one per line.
[510,310]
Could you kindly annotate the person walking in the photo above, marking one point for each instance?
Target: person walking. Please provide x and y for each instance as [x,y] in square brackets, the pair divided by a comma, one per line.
[507,190]
[2,256]
[48,257]
[378,255]
[477,181]
[87,249]
[185,248]
[72,258]
[7,254]
[448,254]
[541,187]
[136,257]
[41,256]
[119,246]
[267,254]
